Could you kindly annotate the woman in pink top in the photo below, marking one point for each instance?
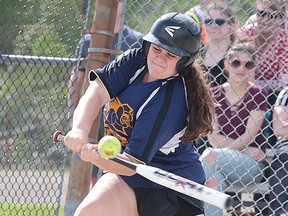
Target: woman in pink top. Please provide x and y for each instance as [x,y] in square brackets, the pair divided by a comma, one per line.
[268,31]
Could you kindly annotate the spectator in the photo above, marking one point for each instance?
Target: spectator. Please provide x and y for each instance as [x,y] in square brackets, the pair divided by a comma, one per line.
[238,144]
[220,23]
[268,32]
[201,9]
[130,39]
[146,87]
[199,12]
[279,179]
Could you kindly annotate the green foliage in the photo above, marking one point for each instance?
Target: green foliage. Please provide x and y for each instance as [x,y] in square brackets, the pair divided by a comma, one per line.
[39,27]
[142,14]
[7,209]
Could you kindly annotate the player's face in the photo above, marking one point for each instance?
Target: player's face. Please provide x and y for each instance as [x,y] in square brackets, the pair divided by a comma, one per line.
[161,63]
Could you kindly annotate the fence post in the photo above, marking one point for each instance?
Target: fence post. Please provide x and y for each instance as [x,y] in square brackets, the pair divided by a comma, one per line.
[102,33]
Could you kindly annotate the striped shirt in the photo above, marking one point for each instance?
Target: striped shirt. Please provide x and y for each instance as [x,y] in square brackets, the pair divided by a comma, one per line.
[282,100]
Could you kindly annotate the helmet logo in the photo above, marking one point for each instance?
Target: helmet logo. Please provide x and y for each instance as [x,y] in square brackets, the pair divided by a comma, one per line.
[171,29]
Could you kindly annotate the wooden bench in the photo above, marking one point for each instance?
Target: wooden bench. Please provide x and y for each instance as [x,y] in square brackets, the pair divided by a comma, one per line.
[245,194]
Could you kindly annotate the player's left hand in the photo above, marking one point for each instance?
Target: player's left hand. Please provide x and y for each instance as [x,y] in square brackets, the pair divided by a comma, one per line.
[89,153]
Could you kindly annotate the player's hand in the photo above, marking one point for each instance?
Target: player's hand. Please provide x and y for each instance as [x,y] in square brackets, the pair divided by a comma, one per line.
[89,153]
[75,139]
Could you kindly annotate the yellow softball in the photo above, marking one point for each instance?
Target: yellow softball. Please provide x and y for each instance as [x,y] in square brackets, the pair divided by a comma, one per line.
[109,147]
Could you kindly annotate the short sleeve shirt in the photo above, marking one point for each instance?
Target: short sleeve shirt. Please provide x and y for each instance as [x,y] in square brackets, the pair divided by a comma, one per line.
[148,118]
[233,124]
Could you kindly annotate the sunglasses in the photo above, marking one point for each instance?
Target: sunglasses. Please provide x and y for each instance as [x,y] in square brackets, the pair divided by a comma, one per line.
[249,64]
[263,13]
[219,22]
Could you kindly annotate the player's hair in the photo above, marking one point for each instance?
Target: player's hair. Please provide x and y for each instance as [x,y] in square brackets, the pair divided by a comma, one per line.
[201,102]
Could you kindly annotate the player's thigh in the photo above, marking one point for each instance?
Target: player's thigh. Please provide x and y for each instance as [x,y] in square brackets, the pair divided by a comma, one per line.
[110,196]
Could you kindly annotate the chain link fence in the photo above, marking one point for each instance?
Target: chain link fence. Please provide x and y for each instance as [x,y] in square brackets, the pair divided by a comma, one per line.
[38,44]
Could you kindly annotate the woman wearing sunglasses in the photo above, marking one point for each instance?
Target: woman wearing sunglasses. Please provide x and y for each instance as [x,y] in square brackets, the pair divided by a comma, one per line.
[219,24]
[268,31]
[238,144]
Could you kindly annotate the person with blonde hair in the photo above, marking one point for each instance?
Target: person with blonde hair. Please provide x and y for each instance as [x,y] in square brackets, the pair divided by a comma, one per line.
[219,26]
[219,23]
[199,12]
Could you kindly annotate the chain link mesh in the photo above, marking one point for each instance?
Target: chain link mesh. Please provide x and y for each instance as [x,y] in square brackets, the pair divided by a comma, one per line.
[38,45]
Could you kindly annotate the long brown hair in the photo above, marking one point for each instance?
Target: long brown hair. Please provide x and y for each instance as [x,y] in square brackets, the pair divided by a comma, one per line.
[200,103]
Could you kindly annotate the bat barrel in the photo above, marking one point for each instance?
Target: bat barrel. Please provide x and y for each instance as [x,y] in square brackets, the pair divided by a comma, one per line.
[172,181]
[185,186]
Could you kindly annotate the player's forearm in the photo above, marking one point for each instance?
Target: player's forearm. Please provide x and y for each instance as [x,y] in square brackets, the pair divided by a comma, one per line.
[89,153]
[113,167]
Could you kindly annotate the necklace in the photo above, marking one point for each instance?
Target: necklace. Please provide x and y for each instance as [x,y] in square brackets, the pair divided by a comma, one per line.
[234,106]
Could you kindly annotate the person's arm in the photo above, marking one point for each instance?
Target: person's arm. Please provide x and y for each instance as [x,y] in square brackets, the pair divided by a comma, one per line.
[87,110]
[77,140]
[253,126]
[280,121]
[89,153]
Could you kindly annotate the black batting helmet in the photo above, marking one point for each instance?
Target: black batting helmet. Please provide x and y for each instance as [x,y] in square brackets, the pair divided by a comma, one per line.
[178,33]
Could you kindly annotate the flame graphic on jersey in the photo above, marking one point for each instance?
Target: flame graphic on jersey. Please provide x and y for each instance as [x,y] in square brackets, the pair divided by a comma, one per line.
[118,119]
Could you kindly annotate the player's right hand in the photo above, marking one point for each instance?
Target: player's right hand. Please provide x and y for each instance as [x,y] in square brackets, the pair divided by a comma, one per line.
[75,139]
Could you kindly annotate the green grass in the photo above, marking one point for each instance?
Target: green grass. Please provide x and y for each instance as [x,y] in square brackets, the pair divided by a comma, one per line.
[8,209]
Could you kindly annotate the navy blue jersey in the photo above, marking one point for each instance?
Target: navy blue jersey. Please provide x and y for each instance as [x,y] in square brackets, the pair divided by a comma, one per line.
[148,118]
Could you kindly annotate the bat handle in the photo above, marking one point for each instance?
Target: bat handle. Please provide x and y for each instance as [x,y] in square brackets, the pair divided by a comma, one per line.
[58,136]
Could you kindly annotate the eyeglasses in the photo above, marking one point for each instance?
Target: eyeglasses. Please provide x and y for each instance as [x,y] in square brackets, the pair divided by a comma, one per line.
[219,22]
[263,13]
[237,63]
